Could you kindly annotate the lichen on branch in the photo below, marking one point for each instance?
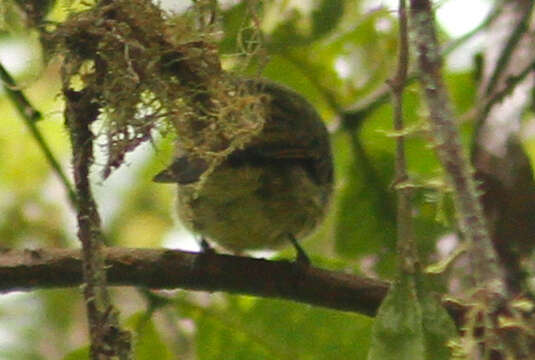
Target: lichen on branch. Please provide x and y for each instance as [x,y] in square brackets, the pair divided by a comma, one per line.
[154,72]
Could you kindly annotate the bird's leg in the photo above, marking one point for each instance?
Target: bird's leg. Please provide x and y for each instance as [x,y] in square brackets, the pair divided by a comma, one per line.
[206,248]
[302,258]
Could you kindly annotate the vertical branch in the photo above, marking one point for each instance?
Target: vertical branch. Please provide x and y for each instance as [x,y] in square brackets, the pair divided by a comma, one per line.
[405,241]
[107,339]
[449,149]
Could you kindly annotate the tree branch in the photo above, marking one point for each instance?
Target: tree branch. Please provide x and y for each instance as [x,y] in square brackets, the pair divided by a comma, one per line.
[107,339]
[490,302]
[450,151]
[169,269]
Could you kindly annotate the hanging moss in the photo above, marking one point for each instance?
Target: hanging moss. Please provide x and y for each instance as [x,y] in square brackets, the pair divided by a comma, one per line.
[152,72]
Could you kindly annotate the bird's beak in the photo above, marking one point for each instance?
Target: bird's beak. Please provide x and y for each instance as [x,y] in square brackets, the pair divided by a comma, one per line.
[184,170]
[165,176]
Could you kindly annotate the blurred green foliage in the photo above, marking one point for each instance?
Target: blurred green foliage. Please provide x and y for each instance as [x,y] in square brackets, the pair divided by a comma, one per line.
[335,53]
[411,324]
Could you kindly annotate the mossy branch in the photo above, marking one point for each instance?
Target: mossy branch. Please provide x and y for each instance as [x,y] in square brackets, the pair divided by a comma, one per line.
[107,339]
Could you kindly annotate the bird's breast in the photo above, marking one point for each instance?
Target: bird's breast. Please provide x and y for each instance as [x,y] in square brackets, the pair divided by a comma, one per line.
[246,206]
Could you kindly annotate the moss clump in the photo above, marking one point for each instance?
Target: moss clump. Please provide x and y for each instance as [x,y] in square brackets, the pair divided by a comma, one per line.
[149,72]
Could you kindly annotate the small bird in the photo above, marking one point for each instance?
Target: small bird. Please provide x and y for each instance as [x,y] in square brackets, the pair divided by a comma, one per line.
[270,192]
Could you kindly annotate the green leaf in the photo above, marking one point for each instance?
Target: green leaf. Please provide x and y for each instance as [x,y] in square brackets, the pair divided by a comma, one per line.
[463,89]
[365,220]
[301,76]
[257,329]
[326,16]
[148,343]
[411,324]
[12,17]
[398,332]
[233,22]
[438,327]
[78,354]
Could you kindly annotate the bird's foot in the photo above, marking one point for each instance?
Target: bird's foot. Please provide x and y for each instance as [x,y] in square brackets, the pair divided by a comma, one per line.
[302,258]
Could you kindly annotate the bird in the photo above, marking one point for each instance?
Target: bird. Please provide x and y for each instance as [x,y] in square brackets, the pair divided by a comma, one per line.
[272,191]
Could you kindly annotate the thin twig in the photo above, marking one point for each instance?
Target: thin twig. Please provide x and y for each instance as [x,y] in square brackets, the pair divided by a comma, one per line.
[407,250]
[353,117]
[508,49]
[17,97]
[510,84]
[30,115]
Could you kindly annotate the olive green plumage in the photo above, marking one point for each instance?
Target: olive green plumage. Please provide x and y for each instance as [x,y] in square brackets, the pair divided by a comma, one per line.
[279,184]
